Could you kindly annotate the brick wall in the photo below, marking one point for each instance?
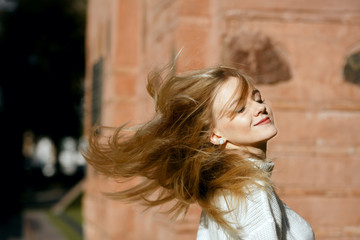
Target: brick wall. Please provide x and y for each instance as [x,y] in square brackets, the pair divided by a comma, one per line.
[316,111]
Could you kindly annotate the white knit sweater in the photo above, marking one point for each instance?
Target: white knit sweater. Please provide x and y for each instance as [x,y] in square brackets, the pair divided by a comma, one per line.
[260,217]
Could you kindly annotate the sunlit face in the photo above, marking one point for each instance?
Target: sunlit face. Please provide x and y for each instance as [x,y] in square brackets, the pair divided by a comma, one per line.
[253,123]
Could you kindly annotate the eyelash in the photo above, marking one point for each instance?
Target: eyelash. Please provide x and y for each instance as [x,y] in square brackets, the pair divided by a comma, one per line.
[243,109]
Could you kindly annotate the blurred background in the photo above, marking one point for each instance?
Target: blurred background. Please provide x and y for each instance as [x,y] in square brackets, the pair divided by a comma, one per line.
[41,112]
[68,64]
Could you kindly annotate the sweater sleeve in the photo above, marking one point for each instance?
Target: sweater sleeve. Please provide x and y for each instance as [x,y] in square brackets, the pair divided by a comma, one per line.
[258,217]
[253,219]
[261,216]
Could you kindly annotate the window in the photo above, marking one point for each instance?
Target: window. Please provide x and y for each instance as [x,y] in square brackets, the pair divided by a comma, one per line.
[97,92]
[352,68]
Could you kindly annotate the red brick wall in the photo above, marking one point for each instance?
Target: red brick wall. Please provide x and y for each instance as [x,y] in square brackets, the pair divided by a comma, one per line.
[316,111]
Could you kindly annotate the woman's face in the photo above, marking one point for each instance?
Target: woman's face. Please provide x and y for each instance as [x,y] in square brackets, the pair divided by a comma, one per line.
[253,123]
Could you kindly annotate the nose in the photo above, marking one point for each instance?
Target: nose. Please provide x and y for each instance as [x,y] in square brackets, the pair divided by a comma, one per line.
[260,108]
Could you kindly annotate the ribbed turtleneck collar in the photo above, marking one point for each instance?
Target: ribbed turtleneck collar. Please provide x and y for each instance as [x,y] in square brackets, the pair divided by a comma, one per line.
[266,165]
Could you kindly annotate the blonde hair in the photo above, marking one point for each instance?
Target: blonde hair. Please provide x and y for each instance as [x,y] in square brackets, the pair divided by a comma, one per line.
[173,151]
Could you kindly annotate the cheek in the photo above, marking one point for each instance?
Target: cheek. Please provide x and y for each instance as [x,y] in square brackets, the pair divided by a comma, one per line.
[235,127]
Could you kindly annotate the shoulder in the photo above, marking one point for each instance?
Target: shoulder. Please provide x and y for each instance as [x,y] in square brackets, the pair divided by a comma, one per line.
[257,212]
[251,216]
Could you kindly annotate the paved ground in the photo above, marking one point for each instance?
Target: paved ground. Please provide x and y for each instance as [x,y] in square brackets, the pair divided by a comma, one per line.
[31,225]
[38,227]
[35,221]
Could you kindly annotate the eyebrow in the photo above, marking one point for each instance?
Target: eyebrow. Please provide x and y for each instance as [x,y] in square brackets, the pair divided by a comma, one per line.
[255,91]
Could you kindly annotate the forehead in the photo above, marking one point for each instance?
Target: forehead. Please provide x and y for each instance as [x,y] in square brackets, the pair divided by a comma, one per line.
[231,90]
[232,86]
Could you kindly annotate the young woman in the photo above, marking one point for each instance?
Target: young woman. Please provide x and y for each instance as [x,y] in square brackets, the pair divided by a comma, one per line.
[206,145]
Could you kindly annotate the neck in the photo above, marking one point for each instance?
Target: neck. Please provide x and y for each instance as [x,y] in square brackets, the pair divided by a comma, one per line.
[257,150]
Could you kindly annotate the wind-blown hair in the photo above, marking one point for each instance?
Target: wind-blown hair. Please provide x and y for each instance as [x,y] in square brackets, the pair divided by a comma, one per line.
[173,153]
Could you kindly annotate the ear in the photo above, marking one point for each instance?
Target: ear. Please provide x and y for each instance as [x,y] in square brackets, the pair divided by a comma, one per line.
[214,138]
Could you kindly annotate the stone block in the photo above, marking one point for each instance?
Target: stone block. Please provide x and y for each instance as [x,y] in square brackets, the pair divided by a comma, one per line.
[331,213]
[124,83]
[308,5]
[194,44]
[118,111]
[199,8]
[331,176]
[127,33]
[318,128]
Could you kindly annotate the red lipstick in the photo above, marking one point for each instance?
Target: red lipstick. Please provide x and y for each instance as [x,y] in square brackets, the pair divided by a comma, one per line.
[263,121]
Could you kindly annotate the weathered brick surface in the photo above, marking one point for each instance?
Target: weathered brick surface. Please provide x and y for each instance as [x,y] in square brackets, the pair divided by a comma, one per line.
[316,111]
[200,8]
[325,175]
[333,213]
[127,33]
[189,38]
[124,83]
[318,5]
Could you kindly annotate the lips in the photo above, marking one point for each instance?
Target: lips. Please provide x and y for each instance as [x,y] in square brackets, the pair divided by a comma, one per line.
[263,121]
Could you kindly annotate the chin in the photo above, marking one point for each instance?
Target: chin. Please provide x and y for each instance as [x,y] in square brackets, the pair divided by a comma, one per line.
[275,132]
[270,136]
[273,135]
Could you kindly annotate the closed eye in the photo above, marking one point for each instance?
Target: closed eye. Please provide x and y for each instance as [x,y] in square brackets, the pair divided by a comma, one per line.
[257,96]
[241,110]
